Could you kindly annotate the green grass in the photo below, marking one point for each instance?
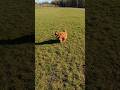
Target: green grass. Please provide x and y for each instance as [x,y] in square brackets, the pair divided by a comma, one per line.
[60,65]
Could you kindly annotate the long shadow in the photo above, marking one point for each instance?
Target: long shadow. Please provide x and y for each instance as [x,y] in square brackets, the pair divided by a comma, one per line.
[51,41]
[19,40]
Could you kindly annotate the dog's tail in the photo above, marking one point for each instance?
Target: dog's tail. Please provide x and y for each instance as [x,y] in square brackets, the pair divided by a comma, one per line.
[65,30]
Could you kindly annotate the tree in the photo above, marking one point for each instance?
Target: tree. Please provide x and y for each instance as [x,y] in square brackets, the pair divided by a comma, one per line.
[69,3]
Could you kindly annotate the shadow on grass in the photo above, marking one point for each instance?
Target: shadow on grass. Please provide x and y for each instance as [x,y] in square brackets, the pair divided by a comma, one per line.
[51,41]
[19,40]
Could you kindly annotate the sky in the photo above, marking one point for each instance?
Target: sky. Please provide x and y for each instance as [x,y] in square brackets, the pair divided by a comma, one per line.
[43,1]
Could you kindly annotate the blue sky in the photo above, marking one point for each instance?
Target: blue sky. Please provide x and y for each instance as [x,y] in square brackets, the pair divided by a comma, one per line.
[43,0]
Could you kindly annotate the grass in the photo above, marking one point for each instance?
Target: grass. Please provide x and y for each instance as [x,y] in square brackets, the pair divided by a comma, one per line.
[59,66]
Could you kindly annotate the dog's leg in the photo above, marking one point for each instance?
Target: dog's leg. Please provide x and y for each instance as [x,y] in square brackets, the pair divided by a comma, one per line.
[60,40]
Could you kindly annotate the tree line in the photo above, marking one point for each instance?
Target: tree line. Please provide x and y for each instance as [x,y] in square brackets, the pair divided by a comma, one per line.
[69,3]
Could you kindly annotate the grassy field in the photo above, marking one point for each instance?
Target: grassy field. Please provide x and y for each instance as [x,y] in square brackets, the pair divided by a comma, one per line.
[59,66]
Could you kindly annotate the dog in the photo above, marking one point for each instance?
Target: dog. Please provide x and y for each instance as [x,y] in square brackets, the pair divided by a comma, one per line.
[61,36]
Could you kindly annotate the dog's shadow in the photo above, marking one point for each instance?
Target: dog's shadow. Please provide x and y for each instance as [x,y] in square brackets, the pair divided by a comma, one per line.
[51,41]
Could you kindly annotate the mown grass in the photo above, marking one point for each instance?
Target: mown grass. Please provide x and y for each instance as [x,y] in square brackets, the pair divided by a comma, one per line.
[59,65]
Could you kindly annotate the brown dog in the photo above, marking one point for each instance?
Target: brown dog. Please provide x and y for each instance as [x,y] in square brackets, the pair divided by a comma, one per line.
[62,36]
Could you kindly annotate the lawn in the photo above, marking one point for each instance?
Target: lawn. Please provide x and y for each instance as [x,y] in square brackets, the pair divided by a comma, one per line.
[59,66]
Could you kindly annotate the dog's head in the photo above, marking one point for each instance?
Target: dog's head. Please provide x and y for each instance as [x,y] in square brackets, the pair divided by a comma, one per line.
[56,33]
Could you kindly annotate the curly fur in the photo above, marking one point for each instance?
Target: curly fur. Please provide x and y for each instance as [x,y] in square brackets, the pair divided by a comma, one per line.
[62,36]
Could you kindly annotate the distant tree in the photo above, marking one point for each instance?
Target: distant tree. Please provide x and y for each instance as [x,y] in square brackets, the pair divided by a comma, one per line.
[45,2]
[69,3]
